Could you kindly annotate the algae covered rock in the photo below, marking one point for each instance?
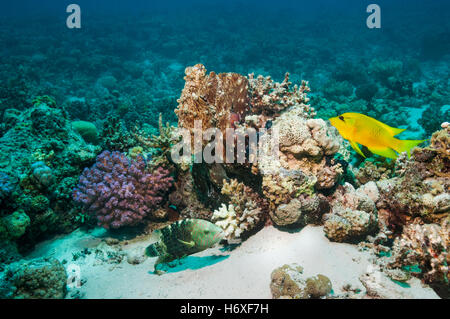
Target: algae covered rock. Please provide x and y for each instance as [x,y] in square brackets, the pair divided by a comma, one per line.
[289,282]
[37,278]
[348,225]
[15,224]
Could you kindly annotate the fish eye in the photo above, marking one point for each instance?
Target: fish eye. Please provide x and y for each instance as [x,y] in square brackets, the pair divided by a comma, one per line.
[341,118]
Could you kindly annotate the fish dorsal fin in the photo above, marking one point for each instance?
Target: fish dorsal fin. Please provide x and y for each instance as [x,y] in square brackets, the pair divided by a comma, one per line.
[188,244]
[392,131]
[355,146]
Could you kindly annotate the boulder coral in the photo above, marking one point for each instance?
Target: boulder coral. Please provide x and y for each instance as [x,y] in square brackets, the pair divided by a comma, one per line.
[289,282]
[304,144]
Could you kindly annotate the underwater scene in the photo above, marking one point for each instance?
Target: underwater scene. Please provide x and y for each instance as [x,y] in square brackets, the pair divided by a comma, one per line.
[224,149]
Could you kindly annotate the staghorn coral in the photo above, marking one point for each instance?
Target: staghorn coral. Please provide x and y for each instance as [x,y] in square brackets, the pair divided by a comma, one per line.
[245,211]
[269,98]
[217,100]
[119,191]
[427,246]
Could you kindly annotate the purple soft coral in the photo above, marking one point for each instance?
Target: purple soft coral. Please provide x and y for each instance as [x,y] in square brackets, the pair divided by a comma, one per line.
[119,191]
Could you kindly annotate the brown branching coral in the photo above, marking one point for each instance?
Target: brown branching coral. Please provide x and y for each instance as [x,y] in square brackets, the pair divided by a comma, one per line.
[427,246]
[161,144]
[270,98]
[217,100]
[115,137]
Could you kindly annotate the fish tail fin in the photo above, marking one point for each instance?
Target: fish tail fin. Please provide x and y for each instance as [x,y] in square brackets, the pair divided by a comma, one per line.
[407,145]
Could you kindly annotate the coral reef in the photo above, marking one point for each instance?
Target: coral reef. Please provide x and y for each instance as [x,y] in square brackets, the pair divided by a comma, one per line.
[41,158]
[349,225]
[245,212]
[269,98]
[426,246]
[304,144]
[301,211]
[421,189]
[37,279]
[212,99]
[289,282]
[353,215]
[119,191]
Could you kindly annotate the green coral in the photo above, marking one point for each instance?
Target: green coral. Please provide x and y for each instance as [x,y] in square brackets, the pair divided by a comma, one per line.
[87,130]
[44,99]
[35,279]
[14,225]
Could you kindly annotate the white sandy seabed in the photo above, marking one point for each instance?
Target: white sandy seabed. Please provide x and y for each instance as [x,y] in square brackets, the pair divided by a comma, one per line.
[243,272]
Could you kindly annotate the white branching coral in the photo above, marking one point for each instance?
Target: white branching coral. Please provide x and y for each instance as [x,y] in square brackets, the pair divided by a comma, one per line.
[233,224]
[225,218]
[245,211]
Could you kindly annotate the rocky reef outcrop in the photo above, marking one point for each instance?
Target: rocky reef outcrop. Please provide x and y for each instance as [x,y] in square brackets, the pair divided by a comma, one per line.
[41,157]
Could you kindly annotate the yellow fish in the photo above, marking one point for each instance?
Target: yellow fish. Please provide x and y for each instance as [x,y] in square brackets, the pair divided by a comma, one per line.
[376,136]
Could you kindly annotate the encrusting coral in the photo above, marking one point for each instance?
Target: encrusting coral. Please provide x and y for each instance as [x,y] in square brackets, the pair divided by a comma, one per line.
[119,191]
